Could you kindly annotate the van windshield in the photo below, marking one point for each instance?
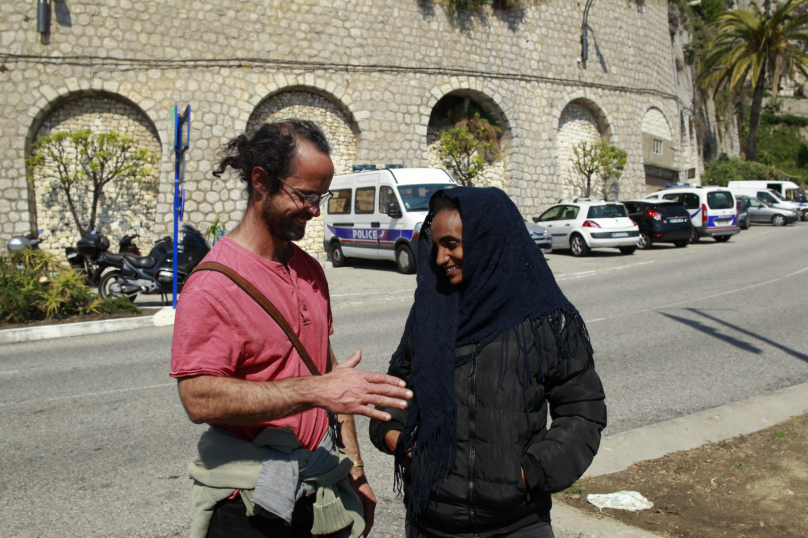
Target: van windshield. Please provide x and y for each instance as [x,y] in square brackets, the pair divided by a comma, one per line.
[416,197]
[720,200]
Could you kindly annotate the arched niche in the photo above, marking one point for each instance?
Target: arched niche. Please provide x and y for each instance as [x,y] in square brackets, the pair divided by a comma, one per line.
[121,207]
[494,174]
[582,120]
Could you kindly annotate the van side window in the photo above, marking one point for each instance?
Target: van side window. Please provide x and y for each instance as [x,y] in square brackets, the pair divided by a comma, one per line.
[340,202]
[386,196]
[365,200]
[691,201]
[674,197]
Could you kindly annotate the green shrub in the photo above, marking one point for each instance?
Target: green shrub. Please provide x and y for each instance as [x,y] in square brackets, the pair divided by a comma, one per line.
[118,305]
[722,171]
[34,286]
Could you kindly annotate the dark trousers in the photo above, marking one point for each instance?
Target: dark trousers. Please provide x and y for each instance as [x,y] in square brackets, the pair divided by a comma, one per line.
[542,529]
[230,521]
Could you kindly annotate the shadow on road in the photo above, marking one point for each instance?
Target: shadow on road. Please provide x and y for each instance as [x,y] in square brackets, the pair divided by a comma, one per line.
[781,347]
[710,331]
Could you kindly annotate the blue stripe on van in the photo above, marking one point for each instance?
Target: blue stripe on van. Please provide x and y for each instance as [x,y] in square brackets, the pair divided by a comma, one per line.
[359,236]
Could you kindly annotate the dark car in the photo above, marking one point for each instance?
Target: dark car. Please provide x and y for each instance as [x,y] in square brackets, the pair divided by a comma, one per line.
[660,221]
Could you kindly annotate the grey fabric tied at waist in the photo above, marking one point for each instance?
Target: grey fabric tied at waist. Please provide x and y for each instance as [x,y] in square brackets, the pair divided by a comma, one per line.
[271,473]
[282,482]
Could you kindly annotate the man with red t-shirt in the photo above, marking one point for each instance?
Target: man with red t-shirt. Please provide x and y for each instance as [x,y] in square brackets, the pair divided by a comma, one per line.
[236,368]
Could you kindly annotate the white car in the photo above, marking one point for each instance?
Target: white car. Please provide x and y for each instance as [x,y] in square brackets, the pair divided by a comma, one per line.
[584,224]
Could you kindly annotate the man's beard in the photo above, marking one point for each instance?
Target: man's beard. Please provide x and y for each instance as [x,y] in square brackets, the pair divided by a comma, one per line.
[285,229]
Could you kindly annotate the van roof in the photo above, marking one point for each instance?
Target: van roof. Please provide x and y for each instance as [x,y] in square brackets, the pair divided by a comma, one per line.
[749,184]
[405,176]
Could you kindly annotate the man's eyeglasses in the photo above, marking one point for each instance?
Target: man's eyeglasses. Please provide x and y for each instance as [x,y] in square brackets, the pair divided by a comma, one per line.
[310,200]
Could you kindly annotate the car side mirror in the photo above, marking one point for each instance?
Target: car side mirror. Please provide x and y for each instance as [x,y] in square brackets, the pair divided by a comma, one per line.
[393,211]
[536,220]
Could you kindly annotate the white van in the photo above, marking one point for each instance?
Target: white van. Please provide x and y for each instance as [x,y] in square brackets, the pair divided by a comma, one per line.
[377,214]
[774,193]
[712,210]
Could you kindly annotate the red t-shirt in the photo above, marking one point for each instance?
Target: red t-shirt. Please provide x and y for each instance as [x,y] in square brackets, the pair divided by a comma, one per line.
[221,331]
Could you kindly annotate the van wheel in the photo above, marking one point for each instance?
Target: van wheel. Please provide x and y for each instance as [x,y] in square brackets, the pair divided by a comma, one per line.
[337,257]
[627,250]
[578,246]
[680,244]
[722,238]
[805,215]
[779,220]
[694,235]
[405,260]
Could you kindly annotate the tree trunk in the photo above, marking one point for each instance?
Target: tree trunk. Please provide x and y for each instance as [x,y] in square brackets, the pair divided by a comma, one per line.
[754,116]
[588,185]
[82,231]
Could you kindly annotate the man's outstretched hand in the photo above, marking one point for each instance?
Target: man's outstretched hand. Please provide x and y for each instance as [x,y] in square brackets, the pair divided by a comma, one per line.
[348,391]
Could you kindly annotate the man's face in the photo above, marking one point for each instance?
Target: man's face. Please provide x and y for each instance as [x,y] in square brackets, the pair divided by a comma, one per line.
[286,213]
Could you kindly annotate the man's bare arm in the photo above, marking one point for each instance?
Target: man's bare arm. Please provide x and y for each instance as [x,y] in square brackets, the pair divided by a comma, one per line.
[344,390]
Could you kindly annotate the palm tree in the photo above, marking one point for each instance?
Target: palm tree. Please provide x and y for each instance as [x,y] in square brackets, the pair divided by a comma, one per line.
[747,43]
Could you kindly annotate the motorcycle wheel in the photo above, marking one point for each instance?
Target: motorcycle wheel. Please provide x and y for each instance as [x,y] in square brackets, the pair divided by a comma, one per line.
[111,280]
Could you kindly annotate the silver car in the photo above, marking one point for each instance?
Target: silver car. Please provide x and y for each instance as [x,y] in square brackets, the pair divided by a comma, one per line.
[761,212]
[540,236]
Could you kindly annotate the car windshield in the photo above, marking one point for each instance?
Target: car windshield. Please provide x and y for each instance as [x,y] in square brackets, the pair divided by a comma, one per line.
[606,211]
[797,196]
[416,197]
[720,200]
[670,210]
[777,195]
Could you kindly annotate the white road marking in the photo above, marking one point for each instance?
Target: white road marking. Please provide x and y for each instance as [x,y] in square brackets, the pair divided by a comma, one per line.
[10,372]
[583,274]
[713,296]
[370,292]
[88,394]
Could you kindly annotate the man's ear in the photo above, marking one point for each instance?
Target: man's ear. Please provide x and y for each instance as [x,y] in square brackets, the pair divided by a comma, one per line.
[260,182]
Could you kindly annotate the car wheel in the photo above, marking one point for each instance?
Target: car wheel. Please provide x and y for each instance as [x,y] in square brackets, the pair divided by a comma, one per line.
[805,215]
[745,225]
[722,238]
[644,242]
[681,244]
[694,235]
[627,250]
[779,220]
[110,286]
[578,246]
[405,260]
[337,257]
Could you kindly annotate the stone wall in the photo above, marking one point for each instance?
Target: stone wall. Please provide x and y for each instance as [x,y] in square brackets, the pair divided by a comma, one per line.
[655,124]
[123,206]
[382,64]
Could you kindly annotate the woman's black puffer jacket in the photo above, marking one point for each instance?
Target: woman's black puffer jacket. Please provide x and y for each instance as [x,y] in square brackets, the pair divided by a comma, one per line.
[498,435]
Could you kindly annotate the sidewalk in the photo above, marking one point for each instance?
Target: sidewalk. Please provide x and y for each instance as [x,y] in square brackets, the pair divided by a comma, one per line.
[162,318]
[620,451]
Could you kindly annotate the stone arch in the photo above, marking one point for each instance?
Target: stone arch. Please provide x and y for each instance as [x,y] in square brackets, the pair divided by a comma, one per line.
[339,124]
[495,174]
[581,120]
[655,123]
[122,206]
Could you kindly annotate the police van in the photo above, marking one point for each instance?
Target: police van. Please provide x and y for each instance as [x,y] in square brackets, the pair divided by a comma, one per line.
[712,209]
[377,213]
[780,194]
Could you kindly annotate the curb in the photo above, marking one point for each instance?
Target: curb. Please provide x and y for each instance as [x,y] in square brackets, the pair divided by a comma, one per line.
[622,450]
[162,318]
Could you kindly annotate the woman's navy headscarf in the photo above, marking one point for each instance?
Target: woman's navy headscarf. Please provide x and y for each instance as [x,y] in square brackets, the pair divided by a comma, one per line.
[506,281]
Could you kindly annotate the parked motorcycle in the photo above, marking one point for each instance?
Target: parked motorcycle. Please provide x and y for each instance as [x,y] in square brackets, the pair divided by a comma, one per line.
[153,274]
[24,242]
[91,257]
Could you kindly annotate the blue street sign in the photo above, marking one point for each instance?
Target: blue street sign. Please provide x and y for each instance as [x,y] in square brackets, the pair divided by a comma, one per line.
[180,129]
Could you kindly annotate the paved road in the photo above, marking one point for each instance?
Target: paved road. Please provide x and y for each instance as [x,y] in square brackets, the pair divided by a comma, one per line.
[95,442]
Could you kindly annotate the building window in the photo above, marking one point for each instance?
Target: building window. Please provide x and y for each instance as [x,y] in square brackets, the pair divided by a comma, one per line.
[658,146]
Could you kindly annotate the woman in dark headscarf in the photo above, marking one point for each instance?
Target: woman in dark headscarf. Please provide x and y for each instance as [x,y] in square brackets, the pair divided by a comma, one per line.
[489,342]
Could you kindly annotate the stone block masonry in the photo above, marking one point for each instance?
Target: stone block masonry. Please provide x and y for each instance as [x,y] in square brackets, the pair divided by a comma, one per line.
[369,71]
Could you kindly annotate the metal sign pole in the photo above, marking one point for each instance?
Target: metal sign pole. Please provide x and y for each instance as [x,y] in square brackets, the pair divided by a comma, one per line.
[181,143]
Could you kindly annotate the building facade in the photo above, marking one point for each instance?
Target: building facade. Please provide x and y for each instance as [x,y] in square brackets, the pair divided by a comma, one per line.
[371,72]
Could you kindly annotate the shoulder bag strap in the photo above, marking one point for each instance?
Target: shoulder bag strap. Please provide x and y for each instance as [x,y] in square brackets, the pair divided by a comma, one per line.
[268,307]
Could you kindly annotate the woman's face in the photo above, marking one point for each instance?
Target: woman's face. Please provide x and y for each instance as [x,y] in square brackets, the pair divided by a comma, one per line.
[447,233]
